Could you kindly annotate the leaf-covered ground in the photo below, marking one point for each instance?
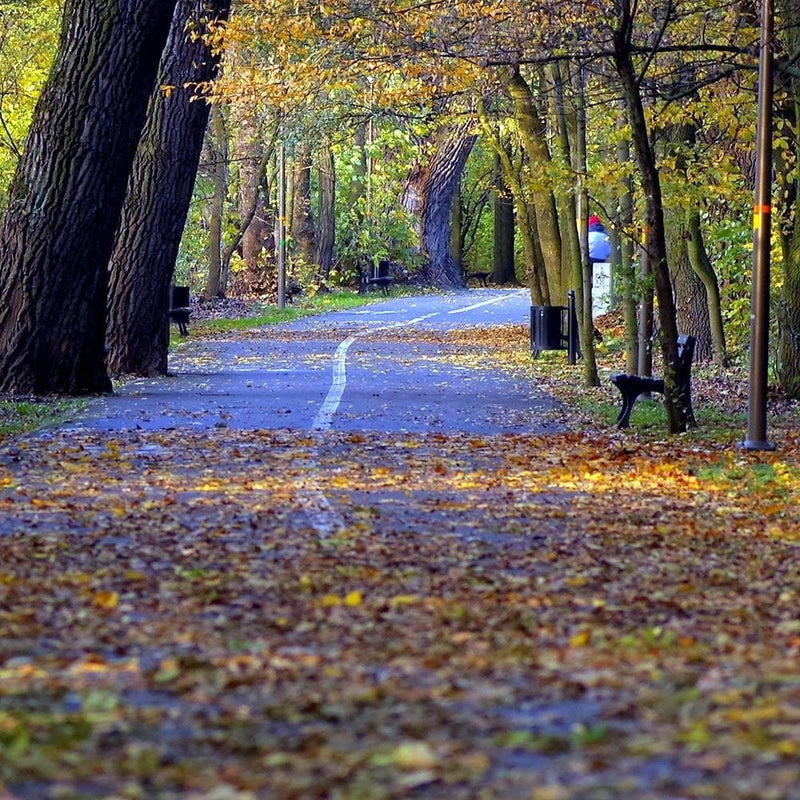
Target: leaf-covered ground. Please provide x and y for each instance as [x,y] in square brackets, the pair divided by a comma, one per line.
[275,614]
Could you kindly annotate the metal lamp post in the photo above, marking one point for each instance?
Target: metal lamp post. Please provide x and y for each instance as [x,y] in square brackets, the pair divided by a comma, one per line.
[282,226]
[762,228]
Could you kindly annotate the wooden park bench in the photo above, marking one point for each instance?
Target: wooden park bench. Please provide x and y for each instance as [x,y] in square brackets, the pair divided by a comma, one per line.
[631,386]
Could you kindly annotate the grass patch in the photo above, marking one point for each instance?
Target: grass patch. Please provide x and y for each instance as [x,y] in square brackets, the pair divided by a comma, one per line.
[22,416]
[305,307]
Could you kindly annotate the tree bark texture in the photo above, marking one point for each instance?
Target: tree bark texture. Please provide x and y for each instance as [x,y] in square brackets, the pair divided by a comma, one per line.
[437,185]
[216,149]
[503,242]
[257,238]
[691,304]
[65,200]
[701,264]
[565,125]
[326,212]
[590,375]
[788,366]
[303,230]
[533,135]
[625,278]
[509,169]
[158,197]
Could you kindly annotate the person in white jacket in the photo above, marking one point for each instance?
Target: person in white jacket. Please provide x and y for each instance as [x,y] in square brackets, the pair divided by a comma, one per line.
[599,245]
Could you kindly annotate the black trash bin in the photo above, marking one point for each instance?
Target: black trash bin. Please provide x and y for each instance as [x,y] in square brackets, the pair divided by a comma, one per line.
[547,328]
[555,328]
[179,297]
[179,308]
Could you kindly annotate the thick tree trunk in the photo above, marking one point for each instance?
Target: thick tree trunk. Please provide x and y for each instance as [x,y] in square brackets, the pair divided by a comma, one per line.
[64,203]
[691,304]
[158,198]
[303,230]
[429,193]
[257,238]
[788,367]
[326,213]
[456,232]
[679,417]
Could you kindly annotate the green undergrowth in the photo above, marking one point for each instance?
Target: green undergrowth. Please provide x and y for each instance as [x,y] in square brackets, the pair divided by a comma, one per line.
[22,416]
[265,314]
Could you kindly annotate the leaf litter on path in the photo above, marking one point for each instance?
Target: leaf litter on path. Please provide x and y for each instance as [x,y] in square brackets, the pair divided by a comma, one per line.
[578,615]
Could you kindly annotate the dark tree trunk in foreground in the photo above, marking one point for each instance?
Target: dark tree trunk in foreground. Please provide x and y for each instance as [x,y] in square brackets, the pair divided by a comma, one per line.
[158,198]
[57,234]
[678,416]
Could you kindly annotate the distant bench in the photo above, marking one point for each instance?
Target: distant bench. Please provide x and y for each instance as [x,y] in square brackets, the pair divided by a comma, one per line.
[480,275]
[179,308]
[377,277]
[631,386]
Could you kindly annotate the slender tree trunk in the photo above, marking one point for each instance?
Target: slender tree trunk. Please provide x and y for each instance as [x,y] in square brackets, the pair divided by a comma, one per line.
[326,229]
[217,149]
[64,203]
[503,253]
[535,275]
[158,197]
[625,279]
[533,136]
[678,415]
[701,264]
[582,212]
[644,360]
[571,261]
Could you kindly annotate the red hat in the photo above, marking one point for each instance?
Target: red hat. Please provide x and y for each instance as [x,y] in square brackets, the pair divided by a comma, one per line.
[594,219]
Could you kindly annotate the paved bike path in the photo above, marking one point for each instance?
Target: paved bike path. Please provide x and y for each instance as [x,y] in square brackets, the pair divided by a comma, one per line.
[343,370]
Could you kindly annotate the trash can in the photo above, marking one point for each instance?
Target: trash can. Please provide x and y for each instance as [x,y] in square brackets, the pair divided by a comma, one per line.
[555,328]
[179,297]
[547,328]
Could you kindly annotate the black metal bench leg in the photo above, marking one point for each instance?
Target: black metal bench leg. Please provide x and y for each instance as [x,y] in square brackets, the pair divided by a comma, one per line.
[624,416]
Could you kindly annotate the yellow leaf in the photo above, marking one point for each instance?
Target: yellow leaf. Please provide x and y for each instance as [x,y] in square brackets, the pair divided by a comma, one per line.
[353,599]
[404,600]
[107,600]
[580,639]
[415,755]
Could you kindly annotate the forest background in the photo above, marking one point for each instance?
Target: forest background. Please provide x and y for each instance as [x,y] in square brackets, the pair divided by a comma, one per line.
[437,140]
